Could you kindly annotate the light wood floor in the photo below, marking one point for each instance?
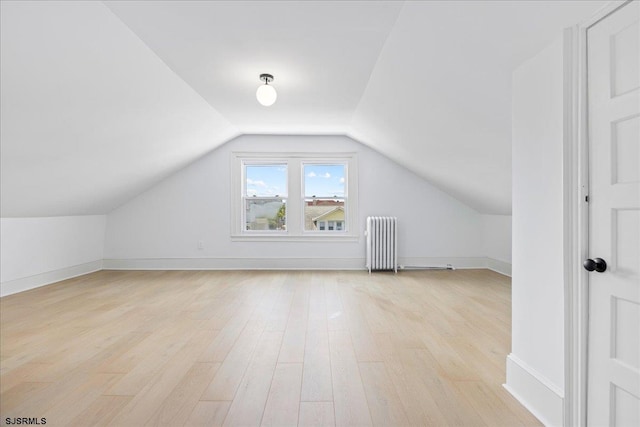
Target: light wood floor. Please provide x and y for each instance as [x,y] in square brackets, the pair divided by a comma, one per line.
[137,348]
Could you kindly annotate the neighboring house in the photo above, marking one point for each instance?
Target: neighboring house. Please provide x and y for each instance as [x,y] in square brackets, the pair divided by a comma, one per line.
[324,215]
[320,215]
[265,215]
[332,220]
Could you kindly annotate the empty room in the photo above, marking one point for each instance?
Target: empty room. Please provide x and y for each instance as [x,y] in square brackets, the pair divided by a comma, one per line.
[320,213]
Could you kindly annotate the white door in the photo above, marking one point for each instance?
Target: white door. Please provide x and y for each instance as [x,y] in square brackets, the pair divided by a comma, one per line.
[613,390]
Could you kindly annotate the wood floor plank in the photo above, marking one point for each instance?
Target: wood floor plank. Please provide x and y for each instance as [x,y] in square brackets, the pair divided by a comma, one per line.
[316,414]
[349,398]
[418,402]
[151,398]
[28,372]
[385,405]
[20,398]
[208,414]
[76,401]
[316,379]
[293,343]
[284,397]
[183,398]
[454,410]
[149,366]
[101,412]
[228,378]
[261,347]
[249,402]
[336,319]
[490,409]
[228,335]
[363,341]
[78,382]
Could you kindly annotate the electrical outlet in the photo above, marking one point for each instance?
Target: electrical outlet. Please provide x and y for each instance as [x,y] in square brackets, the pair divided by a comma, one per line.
[200,245]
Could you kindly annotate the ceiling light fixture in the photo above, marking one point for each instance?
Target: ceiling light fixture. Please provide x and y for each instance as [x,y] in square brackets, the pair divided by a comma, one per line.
[266,94]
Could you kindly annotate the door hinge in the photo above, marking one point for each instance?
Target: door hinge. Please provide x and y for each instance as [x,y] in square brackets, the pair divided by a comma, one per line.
[586,198]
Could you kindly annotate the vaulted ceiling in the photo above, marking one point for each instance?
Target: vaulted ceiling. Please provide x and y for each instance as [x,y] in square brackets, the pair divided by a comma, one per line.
[100,100]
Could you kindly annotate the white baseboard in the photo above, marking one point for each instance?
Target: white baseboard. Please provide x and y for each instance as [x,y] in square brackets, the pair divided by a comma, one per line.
[456,262]
[10,287]
[535,392]
[499,266]
[280,263]
[234,264]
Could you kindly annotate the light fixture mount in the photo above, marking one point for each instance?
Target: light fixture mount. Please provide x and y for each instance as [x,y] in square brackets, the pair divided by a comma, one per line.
[266,78]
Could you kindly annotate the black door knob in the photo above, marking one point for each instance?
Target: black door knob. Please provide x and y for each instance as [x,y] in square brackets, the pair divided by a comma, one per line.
[597,264]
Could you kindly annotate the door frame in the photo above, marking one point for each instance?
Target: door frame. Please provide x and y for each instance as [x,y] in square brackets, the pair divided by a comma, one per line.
[576,217]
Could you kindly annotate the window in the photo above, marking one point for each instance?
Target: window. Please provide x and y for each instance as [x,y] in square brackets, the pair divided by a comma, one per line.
[324,196]
[304,196]
[265,197]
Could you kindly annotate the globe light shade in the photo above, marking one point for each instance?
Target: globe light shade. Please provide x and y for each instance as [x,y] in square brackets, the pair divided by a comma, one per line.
[266,95]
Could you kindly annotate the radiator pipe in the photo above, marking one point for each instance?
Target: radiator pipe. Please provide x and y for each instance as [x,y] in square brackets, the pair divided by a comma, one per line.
[423,267]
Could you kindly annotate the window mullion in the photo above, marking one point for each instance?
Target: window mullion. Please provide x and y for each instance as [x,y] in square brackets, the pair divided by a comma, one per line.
[294,225]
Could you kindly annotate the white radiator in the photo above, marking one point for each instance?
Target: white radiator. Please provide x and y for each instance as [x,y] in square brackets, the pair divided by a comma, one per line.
[382,243]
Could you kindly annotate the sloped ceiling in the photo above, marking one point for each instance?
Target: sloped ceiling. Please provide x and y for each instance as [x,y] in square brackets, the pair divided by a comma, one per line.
[90,116]
[101,100]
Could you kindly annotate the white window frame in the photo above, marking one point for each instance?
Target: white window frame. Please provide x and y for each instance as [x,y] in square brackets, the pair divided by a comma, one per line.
[246,197]
[345,197]
[295,197]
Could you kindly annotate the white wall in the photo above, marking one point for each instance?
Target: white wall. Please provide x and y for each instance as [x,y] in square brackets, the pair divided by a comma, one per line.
[161,227]
[535,369]
[496,242]
[38,251]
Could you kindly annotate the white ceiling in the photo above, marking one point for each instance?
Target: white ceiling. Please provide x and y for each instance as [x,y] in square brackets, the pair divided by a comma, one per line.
[100,102]
[320,53]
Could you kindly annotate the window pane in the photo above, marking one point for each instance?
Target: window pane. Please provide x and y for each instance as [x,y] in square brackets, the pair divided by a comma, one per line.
[266,180]
[324,180]
[323,214]
[266,214]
